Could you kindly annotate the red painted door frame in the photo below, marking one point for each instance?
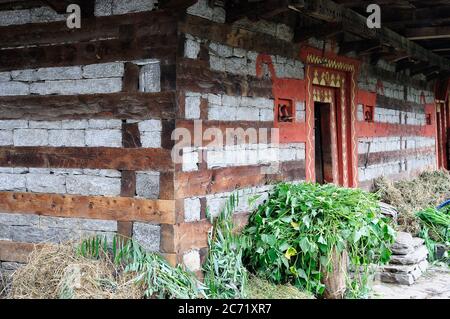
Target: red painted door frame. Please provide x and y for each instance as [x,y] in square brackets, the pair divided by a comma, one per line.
[332,71]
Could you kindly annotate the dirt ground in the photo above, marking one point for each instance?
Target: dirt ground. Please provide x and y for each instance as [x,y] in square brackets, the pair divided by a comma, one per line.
[434,284]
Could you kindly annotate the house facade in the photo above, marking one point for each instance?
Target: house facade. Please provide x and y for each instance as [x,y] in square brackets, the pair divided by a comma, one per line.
[151,114]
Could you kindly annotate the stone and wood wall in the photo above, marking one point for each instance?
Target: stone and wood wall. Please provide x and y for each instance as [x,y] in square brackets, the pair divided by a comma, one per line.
[87,116]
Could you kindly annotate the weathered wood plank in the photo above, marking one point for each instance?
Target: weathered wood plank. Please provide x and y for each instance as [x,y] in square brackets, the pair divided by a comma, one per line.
[16,251]
[237,37]
[211,181]
[182,237]
[399,105]
[131,137]
[369,159]
[105,106]
[94,207]
[87,157]
[196,76]
[160,47]
[111,27]
[128,184]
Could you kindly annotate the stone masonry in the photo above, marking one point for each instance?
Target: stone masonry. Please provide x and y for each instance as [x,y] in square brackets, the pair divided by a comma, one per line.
[242,155]
[75,133]
[37,229]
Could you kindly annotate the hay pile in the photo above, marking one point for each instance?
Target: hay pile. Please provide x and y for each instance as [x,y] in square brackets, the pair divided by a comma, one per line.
[259,288]
[427,190]
[59,272]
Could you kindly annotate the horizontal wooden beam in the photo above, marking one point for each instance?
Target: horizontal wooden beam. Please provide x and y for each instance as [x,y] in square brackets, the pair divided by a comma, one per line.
[264,9]
[93,207]
[196,76]
[238,37]
[375,158]
[99,51]
[425,15]
[428,33]
[211,181]
[330,11]
[108,27]
[137,106]
[156,159]
[16,251]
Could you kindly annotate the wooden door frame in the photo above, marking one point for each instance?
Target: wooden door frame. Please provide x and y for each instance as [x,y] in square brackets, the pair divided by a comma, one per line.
[340,74]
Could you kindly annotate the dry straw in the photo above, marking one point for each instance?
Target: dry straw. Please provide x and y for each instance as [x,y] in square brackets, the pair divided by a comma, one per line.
[58,272]
[409,196]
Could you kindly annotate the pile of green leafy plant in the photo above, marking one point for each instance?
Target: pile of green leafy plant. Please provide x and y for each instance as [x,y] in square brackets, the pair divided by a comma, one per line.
[294,233]
[435,229]
[225,275]
[150,270]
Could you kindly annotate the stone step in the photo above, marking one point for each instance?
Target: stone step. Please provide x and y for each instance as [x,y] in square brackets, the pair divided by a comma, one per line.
[412,258]
[405,269]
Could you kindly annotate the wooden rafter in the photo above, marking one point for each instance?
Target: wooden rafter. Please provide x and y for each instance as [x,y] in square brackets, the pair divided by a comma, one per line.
[330,11]
[425,33]
[262,9]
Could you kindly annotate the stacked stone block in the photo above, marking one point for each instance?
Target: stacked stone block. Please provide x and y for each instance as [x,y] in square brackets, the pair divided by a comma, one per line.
[74,80]
[408,261]
[242,155]
[415,161]
[75,133]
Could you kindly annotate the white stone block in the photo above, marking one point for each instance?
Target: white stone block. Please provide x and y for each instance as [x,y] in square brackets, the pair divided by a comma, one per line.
[106,138]
[46,183]
[147,235]
[151,139]
[14,88]
[231,101]
[150,77]
[103,8]
[191,260]
[74,124]
[147,184]
[266,115]
[6,137]
[72,87]
[73,138]
[192,107]
[247,114]
[103,70]
[217,63]
[59,73]
[100,172]
[192,209]
[105,124]
[122,6]
[45,14]
[13,124]
[93,185]
[45,124]
[150,126]
[13,17]
[191,49]
[190,161]
[12,182]
[27,75]
[5,76]
[30,137]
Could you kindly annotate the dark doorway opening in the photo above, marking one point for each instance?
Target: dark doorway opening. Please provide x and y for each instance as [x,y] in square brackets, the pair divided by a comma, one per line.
[322,147]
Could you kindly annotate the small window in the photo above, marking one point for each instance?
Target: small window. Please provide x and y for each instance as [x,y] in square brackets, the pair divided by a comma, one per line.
[285,111]
[368,113]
